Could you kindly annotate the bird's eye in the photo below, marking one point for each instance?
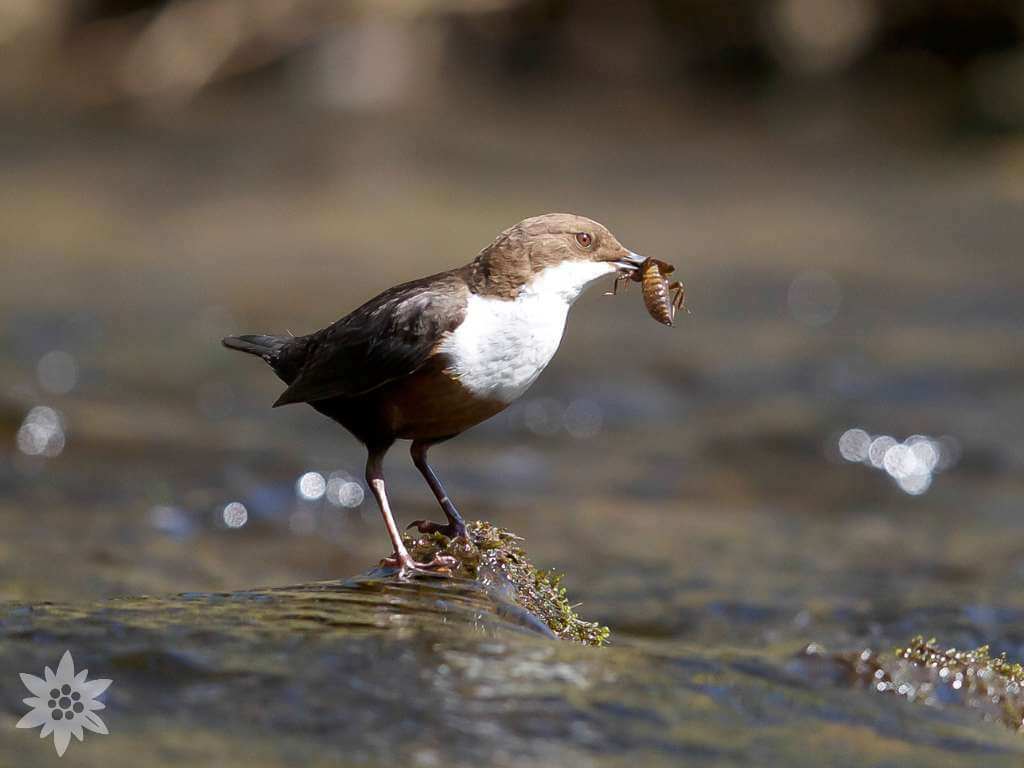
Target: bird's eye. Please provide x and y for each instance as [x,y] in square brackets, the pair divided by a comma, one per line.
[585,239]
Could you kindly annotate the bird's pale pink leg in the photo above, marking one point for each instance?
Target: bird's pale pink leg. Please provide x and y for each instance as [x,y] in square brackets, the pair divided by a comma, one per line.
[401,559]
[456,525]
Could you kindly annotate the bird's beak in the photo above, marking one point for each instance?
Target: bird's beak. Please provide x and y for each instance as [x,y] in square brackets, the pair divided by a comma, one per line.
[631,262]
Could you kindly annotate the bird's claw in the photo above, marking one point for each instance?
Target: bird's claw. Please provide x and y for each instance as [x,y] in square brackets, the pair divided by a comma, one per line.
[439,565]
[445,529]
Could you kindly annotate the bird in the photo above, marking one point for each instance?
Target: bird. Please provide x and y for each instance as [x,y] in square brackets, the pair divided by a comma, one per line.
[428,359]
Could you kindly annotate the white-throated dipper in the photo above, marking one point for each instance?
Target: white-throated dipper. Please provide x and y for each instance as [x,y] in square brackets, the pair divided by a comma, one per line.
[428,359]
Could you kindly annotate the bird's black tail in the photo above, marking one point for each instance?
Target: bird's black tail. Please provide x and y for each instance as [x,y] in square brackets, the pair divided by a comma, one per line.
[285,354]
[258,344]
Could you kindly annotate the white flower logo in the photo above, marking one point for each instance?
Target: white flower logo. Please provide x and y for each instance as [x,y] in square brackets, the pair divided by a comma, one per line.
[64,703]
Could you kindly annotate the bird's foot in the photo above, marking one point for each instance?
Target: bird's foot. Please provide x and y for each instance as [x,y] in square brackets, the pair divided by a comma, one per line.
[451,530]
[440,565]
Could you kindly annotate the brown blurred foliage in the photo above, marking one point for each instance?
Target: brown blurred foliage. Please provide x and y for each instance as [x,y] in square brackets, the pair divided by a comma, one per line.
[357,54]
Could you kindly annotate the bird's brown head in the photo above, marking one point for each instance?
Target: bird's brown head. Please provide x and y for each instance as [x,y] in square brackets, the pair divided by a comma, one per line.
[556,247]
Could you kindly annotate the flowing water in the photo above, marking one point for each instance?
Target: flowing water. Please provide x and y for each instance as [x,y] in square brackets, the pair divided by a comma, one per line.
[721,494]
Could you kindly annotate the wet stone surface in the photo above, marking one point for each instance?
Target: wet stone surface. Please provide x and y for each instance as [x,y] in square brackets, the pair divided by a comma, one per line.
[372,666]
[374,670]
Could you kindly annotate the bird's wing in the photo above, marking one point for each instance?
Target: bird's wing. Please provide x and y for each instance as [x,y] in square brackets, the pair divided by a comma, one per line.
[389,337]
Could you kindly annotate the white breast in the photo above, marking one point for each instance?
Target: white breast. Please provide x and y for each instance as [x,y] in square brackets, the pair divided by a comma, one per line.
[502,346]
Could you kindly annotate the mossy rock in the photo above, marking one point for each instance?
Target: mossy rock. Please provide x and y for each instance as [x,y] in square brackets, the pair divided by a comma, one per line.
[924,672]
[495,557]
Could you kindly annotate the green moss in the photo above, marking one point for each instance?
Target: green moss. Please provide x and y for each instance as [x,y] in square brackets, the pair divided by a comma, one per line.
[493,549]
[939,677]
[928,653]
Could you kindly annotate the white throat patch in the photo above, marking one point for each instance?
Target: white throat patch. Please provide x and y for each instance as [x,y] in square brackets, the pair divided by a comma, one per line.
[502,346]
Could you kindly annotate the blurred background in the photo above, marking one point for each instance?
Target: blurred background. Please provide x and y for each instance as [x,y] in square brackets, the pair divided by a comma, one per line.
[827,451]
[838,427]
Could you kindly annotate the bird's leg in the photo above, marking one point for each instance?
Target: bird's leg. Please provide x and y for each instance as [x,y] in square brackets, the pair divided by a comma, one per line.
[456,525]
[401,559]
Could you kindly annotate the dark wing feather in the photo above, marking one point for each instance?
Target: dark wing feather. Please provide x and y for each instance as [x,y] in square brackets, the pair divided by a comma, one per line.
[389,337]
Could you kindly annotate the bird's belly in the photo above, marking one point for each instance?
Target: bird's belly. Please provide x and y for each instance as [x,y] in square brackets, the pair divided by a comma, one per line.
[426,405]
[502,346]
[431,404]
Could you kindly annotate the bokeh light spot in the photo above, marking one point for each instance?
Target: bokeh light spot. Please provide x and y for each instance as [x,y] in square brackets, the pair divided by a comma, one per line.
[57,372]
[878,448]
[583,419]
[543,416]
[343,491]
[169,519]
[311,486]
[854,444]
[235,515]
[41,433]
[912,463]
[822,36]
